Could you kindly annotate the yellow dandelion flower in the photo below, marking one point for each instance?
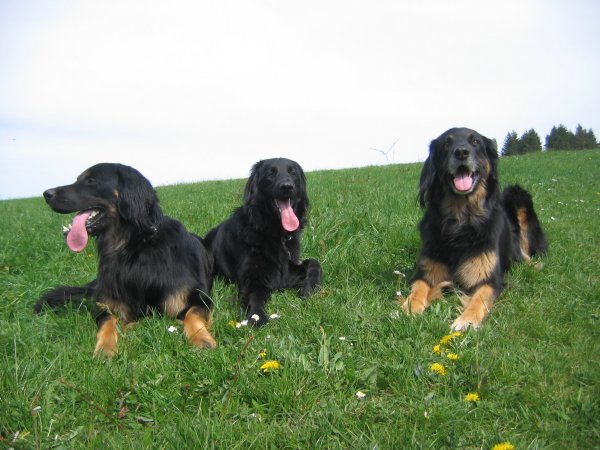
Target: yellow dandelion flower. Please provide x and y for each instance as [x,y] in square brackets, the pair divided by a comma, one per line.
[503,446]
[456,334]
[472,397]
[270,366]
[452,356]
[446,339]
[263,354]
[232,323]
[438,368]
[437,349]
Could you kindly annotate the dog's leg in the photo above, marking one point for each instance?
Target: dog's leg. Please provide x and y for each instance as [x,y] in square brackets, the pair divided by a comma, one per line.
[418,299]
[196,325]
[422,296]
[110,312]
[314,277]
[305,277]
[107,336]
[431,279]
[477,308]
[254,301]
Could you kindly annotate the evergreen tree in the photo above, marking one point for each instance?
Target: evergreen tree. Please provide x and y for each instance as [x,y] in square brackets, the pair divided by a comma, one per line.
[511,144]
[527,143]
[584,139]
[530,142]
[560,139]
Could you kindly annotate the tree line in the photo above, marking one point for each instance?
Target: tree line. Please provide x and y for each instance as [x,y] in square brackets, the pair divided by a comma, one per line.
[560,138]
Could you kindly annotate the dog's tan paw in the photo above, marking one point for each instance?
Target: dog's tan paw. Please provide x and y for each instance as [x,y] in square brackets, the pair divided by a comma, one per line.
[196,327]
[106,345]
[463,323]
[106,339]
[418,300]
[410,306]
[203,339]
[105,350]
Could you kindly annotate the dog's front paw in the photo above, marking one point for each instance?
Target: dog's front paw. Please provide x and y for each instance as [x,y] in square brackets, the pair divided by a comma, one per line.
[106,345]
[196,326]
[418,299]
[106,338]
[410,306]
[203,339]
[463,322]
[105,349]
[314,277]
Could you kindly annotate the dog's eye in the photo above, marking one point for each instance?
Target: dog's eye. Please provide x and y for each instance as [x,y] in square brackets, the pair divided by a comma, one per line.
[474,140]
[291,171]
[91,181]
[273,171]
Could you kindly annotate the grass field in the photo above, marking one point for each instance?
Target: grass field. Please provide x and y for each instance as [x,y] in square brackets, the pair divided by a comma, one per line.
[535,363]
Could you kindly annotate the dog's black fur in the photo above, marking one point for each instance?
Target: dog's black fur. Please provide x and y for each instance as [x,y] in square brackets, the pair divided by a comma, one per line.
[471,232]
[254,251]
[146,260]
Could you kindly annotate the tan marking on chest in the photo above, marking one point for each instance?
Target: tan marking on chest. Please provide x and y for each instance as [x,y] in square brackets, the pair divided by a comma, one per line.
[434,272]
[477,269]
[176,303]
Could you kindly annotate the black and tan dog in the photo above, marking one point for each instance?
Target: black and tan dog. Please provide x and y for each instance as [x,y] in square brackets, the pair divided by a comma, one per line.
[470,232]
[147,261]
[258,247]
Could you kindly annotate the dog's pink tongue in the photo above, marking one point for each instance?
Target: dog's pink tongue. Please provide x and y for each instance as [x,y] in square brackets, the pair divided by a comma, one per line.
[77,238]
[463,182]
[289,221]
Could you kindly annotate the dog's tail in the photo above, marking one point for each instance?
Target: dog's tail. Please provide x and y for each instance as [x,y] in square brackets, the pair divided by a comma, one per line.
[519,208]
[63,294]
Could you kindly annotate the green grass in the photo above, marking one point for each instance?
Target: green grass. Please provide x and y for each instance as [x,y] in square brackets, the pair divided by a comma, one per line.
[535,363]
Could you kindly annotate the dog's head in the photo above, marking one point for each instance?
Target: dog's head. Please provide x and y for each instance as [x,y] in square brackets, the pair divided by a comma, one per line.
[106,196]
[461,162]
[278,187]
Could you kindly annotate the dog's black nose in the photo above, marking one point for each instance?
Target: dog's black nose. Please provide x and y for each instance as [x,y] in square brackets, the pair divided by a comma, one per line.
[49,194]
[286,187]
[461,153]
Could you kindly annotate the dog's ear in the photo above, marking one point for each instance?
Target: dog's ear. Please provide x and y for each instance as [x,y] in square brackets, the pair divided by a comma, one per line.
[491,151]
[137,202]
[251,188]
[491,148]
[303,203]
[428,175]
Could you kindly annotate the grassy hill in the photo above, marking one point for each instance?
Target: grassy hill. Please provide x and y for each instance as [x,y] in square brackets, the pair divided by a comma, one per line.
[535,364]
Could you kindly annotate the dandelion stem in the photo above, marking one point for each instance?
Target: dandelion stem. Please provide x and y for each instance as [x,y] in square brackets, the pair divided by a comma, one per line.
[236,374]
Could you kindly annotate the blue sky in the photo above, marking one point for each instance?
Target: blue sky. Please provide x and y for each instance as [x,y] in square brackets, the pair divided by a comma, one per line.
[189,91]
